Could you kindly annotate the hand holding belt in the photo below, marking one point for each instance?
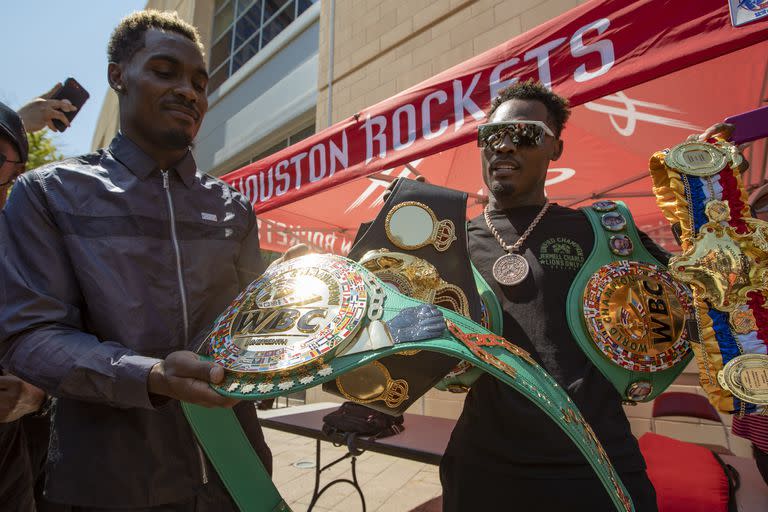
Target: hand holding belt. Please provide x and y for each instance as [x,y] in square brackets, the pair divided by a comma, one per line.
[348,319]
[698,187]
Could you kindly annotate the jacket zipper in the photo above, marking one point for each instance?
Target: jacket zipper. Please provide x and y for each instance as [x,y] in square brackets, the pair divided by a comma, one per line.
[203,464]
[176,248]
[182,290]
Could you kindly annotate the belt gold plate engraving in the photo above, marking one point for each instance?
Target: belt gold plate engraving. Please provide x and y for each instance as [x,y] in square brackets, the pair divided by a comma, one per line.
[638,316]
[416,278]
[746,376]
[697,158]
[723,266]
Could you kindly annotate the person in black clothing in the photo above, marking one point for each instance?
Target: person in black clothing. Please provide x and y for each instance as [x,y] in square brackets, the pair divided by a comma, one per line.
[24,422]
[505,453]
[19,466]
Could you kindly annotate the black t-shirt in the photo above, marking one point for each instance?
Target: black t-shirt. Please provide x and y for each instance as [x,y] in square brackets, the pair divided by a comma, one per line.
[498,427]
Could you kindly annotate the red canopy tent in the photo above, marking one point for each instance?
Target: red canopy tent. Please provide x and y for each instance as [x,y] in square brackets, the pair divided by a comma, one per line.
[643,82]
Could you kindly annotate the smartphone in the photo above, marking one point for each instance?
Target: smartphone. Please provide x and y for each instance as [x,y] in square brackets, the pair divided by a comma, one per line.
[76,94]
[750,125]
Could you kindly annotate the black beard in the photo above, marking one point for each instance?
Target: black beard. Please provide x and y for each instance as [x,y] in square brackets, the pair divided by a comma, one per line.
[175,139]
[501,189]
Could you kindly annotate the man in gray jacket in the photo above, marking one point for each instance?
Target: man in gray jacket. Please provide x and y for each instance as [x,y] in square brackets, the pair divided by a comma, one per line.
[113,266]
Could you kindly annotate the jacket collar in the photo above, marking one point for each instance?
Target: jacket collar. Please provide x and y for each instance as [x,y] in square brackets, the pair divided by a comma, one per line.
[142,165]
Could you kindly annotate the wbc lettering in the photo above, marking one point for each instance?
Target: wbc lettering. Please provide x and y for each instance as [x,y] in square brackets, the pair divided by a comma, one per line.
[662,328]
[285,321]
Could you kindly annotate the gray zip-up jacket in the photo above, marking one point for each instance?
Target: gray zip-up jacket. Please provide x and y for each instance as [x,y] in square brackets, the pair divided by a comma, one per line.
[108,264]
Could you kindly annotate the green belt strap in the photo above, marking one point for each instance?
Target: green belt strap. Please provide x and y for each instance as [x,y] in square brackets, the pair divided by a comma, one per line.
[234,459]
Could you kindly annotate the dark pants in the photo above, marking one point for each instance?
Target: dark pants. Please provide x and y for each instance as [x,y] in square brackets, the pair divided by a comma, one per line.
[17,477]
[761,459]
[23,450]
[469,488]
[212,497]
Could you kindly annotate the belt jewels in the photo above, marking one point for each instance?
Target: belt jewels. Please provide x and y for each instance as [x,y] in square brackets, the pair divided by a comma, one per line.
[698,187]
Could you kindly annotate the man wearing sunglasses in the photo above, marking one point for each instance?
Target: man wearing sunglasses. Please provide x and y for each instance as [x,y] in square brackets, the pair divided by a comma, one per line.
[505,454]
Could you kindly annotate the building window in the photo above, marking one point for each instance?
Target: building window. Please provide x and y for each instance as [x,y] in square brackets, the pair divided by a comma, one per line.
[241,28]
[288,141]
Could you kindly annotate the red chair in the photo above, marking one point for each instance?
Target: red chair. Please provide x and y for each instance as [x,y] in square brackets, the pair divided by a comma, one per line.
[689,405]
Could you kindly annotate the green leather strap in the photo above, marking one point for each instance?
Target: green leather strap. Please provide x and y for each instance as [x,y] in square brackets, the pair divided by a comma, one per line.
[621,378]
[490,303]
[247,481]
[234,459]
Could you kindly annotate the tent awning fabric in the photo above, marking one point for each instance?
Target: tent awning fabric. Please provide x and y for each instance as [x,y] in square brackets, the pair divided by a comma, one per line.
[645,74]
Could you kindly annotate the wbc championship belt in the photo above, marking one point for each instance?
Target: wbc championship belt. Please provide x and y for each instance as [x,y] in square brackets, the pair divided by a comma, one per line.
[625,311]
[699,189]
[312,319]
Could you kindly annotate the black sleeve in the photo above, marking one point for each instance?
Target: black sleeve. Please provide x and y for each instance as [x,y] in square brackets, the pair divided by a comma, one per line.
[656,251]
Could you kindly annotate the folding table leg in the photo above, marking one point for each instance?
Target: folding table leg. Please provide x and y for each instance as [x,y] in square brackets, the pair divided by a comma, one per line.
[317,492]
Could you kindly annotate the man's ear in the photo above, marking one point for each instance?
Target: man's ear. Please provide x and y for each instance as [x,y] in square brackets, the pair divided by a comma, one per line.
[115,77]
[557,149]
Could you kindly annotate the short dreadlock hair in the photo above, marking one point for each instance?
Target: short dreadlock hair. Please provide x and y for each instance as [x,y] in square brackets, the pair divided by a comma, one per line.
[128,36]
[557,106]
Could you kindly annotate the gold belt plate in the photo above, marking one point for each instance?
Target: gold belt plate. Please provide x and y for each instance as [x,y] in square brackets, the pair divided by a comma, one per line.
[746,377]
[293,315]
[638,316]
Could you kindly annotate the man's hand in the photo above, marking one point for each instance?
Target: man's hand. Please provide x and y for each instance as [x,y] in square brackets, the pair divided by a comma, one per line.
[41,112]
[184,376]
[294,252]
[18,398]
[720,130]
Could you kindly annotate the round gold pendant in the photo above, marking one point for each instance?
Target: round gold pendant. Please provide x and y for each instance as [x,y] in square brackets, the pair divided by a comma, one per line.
[510,269]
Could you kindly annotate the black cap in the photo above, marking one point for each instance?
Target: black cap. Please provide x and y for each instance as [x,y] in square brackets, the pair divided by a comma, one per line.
[12,127]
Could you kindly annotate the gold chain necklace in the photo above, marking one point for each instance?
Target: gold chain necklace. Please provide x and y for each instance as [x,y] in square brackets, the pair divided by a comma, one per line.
[512,268]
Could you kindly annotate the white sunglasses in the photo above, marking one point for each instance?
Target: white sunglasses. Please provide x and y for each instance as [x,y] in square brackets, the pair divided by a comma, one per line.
[522,132]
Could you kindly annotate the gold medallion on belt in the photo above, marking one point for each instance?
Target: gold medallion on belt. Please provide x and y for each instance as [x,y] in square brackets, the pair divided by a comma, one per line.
[703,159]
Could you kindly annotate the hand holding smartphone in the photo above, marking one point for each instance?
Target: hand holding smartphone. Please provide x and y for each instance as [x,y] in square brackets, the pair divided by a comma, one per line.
[75,94]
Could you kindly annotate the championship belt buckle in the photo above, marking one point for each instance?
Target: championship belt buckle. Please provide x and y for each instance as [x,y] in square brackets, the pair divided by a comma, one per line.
[632,320]
[638,316]
[282,331]
[410,247]
[295,314]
